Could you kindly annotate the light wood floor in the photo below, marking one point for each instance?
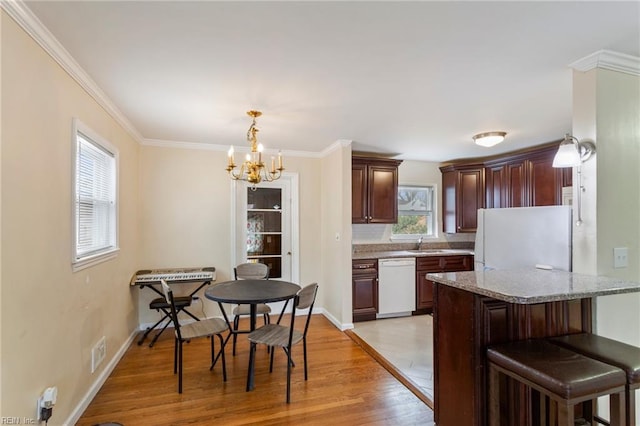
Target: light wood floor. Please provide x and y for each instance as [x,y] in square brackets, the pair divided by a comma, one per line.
[346,386]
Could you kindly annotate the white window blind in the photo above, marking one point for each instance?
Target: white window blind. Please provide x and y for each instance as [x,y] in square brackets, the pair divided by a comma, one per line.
[95,198]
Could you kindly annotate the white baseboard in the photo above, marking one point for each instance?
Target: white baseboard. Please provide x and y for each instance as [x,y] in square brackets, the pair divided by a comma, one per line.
[340,326]
[97,384]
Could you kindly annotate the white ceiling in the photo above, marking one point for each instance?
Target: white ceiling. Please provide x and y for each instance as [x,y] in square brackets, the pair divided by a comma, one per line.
[416,79]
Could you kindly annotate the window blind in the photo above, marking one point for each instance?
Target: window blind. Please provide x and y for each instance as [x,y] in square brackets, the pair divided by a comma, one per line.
[95,198]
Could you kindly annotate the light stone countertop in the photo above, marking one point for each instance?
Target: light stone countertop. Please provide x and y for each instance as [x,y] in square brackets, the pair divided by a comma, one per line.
[529,286]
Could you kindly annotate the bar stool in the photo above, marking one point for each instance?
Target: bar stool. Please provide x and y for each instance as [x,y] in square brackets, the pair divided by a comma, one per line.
[564,376]
[612,352]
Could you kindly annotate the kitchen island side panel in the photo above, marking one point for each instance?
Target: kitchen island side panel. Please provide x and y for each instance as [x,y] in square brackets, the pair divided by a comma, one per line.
[464,325]
[454,364]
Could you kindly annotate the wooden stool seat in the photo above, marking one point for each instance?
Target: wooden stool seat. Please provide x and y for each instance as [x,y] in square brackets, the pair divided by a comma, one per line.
[612,352]
[564,376]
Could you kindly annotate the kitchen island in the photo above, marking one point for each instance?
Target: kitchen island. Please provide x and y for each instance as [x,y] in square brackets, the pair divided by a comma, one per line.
[479,308]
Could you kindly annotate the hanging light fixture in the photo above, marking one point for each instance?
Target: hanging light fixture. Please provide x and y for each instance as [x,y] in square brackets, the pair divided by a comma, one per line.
[572,153]
[488,139]
[252,169]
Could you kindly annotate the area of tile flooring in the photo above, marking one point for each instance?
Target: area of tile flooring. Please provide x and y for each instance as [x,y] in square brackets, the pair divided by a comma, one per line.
[406,343]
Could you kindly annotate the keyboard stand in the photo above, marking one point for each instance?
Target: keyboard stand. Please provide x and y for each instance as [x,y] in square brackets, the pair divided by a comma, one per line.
[166,317]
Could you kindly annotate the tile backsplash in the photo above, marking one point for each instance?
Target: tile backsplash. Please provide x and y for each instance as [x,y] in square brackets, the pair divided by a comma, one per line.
[381,233]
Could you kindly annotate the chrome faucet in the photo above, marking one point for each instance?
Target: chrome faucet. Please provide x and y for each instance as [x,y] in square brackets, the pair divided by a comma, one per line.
[420,243]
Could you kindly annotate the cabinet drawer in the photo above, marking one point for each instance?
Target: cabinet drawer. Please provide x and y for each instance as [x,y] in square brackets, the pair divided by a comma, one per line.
[428,264]
[457,263]
[364,267]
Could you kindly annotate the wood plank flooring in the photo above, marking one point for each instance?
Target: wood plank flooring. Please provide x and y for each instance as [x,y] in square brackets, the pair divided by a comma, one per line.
[346,386]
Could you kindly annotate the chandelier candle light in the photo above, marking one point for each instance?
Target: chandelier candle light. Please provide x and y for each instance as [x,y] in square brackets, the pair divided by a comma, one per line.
[252,169]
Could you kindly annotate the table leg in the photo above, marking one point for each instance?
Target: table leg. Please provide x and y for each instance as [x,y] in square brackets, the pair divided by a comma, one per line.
[252,348]
[253,312]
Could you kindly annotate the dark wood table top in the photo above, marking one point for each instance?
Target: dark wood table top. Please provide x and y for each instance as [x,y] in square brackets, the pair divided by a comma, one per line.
[251,291]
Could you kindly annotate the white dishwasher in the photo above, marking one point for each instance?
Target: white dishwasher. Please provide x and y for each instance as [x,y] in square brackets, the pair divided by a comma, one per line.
[396,287]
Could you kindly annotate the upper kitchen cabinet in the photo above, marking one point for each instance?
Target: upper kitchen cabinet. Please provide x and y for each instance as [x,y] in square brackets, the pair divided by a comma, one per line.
[522,178]
[525,179]
[462,196]
[374,190]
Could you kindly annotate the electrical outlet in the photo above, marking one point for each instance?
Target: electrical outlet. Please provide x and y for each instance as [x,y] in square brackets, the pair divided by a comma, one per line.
[620,257]
[98,353]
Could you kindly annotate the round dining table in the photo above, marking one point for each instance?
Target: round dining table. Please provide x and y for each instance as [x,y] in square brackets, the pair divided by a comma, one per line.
[251,292]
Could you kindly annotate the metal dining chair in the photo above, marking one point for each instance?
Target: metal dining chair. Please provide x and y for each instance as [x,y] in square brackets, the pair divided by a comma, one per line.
[249,271]
[277,335]
[183,333]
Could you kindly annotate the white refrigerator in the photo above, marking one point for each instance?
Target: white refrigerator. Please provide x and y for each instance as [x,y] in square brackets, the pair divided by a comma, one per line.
[524,237]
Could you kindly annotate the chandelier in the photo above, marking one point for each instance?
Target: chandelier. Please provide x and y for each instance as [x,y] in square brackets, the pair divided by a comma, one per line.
[252,168]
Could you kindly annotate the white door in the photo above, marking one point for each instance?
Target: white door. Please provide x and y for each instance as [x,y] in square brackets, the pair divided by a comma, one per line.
[266,221]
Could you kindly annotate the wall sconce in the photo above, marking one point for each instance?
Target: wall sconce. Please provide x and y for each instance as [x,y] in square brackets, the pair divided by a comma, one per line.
[572,153]
[488,139]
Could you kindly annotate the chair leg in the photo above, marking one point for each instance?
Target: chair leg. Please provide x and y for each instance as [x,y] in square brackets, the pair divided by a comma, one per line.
[180,368]
[494,396]
[630,404]
[224,362]
[289,375]
[304,349]
[175,355]
[617,409]
[252,354]
[273,349]
[236,325]
[565,415]
[213,351]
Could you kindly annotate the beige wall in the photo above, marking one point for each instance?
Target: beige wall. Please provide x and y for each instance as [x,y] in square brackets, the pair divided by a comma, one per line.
[335,238]
[607,110]
[185,203]
[51,317]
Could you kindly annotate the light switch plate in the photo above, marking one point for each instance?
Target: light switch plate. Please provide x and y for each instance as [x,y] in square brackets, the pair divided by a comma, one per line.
[620,257]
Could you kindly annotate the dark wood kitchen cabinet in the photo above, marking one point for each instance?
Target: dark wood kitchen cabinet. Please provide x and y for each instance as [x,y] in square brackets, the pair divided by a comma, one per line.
[374,190]
[462,196]
[364,297]
[464,325]
[523,178]
[434,264]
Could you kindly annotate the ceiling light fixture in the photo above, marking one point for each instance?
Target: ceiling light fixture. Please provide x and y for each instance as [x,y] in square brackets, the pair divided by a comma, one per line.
[488,139]
[252,170]
[572,153]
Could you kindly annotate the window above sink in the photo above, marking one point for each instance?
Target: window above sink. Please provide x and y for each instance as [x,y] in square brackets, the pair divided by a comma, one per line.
[416,213]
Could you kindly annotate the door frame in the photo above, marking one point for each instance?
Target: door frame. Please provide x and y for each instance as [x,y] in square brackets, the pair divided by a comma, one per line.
[238,207]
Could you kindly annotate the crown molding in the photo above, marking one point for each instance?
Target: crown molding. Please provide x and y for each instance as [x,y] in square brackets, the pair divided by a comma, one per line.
[202,146]
[610,60]
[30,23]
[340,143]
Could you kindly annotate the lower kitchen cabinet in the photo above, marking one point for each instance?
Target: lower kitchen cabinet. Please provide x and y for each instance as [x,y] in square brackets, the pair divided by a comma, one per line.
[364,279]
[364,296]
[435,264]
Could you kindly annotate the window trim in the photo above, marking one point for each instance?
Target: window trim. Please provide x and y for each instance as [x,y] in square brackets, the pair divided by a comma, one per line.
[434,203]
[79,263]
